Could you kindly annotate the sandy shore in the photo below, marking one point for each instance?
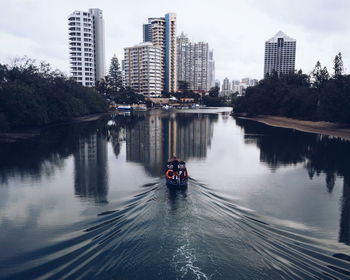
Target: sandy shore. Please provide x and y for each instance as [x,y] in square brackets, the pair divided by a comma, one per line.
[326,128]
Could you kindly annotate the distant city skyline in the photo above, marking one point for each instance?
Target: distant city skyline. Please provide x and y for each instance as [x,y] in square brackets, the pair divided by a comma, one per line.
[320,27]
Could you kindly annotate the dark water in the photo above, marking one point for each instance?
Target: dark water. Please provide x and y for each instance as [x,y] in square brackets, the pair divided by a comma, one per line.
[88,201]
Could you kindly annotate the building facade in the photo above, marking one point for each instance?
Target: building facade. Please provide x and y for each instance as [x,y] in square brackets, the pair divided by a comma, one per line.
[280,54]
[162,33]
[226,87]
[193,64]
[211,70]
[142,69]
[86,46]
[170,53]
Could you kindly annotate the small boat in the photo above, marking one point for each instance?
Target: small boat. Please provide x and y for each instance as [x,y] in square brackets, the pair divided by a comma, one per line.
[176,173]
[124,107]
[139,107]
[194,106]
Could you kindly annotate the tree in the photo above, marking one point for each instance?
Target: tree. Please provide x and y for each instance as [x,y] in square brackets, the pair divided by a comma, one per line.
[129,96]
[213,101]
[214,92]
[338,65]
[319,75]
[32,95]
[325,74]
[102,86]
[115,81]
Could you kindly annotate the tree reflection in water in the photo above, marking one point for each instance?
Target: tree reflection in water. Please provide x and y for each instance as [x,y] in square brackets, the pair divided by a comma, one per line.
[321,154]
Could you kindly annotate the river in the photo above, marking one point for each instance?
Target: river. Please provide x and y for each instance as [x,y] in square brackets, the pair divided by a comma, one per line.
[89,201]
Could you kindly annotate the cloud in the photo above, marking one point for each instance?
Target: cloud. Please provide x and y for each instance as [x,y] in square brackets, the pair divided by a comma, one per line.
[322,16]
[236,29]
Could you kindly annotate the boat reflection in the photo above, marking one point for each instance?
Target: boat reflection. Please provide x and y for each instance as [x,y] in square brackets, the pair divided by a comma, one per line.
[176,197]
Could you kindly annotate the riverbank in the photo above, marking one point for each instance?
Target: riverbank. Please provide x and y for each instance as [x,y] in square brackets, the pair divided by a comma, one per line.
[325,128]
[19,134]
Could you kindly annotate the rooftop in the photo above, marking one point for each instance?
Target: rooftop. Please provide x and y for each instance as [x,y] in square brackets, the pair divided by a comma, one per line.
[280,34]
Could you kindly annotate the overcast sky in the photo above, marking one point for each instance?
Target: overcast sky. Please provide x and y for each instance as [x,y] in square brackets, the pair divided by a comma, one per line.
[235,29]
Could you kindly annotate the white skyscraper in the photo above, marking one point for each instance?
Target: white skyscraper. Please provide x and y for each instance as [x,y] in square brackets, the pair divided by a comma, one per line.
[142,68]
[280,54]
[86,46]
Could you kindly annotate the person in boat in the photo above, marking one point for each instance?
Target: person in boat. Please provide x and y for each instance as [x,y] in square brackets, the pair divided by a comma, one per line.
[177,166]
[175,163]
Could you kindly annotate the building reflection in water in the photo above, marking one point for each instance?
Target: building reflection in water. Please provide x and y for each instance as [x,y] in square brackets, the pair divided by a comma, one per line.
[91,173]
[321,154]
[153,140]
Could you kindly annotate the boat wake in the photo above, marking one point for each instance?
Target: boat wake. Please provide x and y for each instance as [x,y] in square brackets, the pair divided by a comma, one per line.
[193,233]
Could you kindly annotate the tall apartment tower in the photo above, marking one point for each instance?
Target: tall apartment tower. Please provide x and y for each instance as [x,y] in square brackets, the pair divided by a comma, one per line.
[142,68]
[226,87]
[211,70]
[280,54]
[162,32]
[193,61]
[86,46]
[183,58]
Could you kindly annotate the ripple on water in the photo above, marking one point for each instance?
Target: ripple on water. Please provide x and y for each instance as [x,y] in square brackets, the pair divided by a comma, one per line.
[193,233]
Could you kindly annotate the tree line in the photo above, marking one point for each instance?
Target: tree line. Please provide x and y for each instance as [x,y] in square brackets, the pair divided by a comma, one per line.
[34,95]
[318,96]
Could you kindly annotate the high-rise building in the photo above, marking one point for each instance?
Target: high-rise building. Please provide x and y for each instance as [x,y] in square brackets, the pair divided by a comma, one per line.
[249,82]
[211,70]
[226,87]
[183,59]
[170,53]
[280,54]
[86,46]
[162,33]
[142,68]
[235,86]
[193,63]
[217,84]
[99,43]
[147,32]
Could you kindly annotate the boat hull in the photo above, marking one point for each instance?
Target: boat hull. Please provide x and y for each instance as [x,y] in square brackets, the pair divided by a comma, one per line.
[176,183]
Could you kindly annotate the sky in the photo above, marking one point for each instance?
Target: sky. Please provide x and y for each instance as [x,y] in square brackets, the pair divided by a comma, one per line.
[235,29]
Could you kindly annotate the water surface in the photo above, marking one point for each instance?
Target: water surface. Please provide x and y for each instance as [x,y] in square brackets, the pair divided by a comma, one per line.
[89,201]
